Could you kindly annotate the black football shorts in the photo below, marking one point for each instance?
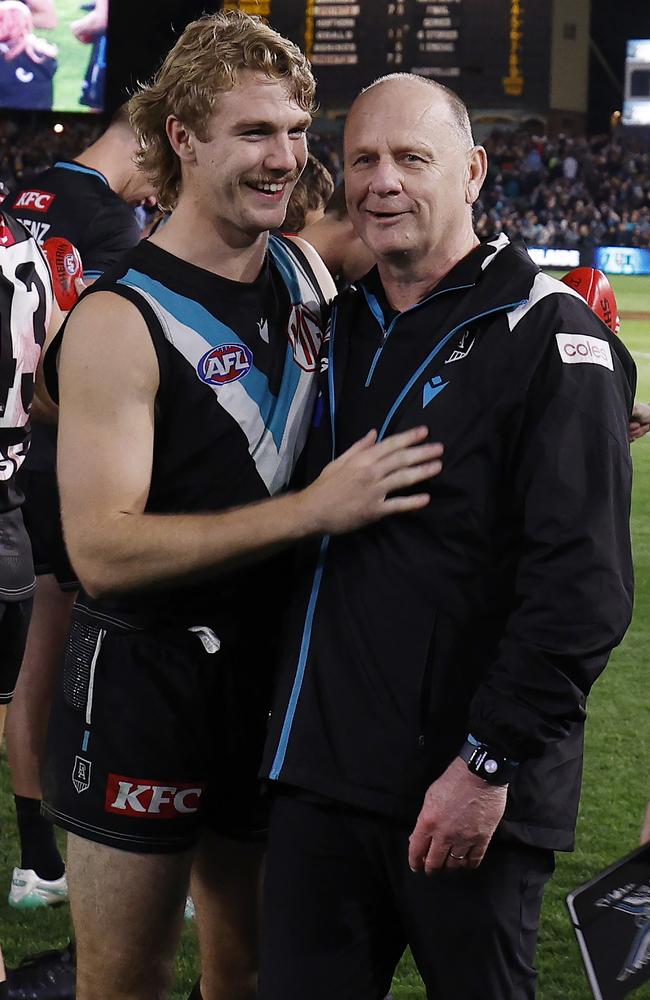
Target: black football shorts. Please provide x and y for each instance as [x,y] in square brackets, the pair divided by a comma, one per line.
[14,622]
[155,732]
[42,516]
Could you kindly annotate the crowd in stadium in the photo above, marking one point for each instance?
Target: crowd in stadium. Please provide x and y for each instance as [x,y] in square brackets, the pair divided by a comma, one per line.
[566,192]
[26,149]
[559,192]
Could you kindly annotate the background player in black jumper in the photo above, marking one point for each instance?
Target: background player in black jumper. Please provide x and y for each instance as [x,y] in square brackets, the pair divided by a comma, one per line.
[431,702]
[90,201]
[187,377]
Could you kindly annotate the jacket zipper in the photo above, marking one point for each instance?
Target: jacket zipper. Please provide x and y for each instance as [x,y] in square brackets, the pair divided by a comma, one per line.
[305,642]
[280,754]
[376,311]
[427,361]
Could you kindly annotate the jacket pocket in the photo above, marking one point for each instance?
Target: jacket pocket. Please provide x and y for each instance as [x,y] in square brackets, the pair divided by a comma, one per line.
[80,658]
[455,658]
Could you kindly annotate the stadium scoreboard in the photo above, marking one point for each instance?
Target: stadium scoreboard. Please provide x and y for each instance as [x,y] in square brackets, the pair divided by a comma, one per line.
[494,54]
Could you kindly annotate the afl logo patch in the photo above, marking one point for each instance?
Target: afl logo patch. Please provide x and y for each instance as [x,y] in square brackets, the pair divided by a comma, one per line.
[225,363]
[306,337]
[70,263]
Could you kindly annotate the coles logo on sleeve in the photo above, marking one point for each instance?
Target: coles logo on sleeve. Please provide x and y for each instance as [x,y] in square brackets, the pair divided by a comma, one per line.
[225,363]
[579,349]
[144,799]
[38,201]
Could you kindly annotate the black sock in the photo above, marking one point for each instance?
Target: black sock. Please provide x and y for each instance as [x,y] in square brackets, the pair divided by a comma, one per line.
[37,842]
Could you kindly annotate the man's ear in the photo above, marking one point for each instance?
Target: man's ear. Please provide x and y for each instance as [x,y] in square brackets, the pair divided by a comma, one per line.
[181,139]
[476,171]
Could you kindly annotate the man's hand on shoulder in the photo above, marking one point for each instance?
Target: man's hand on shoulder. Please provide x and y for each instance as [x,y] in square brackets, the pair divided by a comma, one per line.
[355,488]
[459,815]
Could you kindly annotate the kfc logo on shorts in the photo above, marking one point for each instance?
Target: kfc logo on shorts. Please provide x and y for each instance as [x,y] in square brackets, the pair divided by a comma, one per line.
[579,349]
[305,336]
[144,799]
[38,201]
[225,363]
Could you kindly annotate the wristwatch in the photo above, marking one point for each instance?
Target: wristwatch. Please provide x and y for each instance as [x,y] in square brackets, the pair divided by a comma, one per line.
[487,763]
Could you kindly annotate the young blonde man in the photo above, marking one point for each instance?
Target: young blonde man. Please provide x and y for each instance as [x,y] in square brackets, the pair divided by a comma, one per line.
[186,382]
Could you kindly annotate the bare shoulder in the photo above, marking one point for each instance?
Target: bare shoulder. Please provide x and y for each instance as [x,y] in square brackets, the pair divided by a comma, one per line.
[318,266]
[107,334]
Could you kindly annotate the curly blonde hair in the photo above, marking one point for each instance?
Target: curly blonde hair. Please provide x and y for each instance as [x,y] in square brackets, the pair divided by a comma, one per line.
[202,65]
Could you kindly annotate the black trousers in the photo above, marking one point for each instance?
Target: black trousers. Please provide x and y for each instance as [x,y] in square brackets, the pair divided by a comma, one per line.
[341,905]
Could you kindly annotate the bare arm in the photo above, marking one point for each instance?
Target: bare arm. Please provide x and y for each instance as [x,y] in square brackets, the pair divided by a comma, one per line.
[85,29]
[43,13]
[108,383]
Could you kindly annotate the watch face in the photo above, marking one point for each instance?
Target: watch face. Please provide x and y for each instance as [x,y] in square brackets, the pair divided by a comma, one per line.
[491,766]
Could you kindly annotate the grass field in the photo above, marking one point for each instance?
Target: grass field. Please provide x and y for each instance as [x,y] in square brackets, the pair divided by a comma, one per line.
[73,57]
[616,782]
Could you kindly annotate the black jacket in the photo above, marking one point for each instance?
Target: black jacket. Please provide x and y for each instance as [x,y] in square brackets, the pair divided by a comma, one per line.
[493,609]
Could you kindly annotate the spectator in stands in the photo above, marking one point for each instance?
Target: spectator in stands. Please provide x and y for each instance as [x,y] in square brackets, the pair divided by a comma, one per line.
[35,147]
[586,192]
[526,193]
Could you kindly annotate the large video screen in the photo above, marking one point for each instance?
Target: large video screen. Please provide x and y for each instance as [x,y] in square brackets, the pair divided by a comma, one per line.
[53,54]
[623,260]
[636,103]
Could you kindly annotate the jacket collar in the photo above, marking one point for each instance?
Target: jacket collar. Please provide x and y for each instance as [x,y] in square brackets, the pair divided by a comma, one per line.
[511,269]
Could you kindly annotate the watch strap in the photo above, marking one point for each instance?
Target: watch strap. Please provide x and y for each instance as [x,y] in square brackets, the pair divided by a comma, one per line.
[487,762]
